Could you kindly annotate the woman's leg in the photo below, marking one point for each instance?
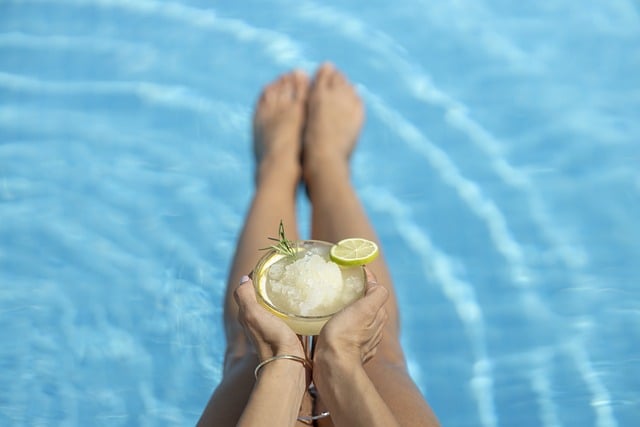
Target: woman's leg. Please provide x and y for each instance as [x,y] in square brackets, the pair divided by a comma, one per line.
[278,124]
[334,118]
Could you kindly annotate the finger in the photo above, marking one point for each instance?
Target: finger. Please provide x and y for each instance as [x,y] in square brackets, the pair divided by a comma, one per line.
[377,339]
[379,319]
[369,355]
[244,294]
[366,308]
[372,280]
[372,344]
[378,324]
[376,296]
[377,336]
[251,310]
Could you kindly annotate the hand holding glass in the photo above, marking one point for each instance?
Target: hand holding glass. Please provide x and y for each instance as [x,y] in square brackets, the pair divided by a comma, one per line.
[306,289]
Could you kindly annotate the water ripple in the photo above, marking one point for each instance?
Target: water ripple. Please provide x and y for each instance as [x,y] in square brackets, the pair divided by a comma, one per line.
[467,190]
[461,294]
[601,398]
[169,269]
[281,48]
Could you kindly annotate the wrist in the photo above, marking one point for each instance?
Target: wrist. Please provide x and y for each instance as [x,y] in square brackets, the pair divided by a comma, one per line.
[293,349]
[302,360]
[330,367]
[337,359]
[283,369]
[349,394]
[277,394]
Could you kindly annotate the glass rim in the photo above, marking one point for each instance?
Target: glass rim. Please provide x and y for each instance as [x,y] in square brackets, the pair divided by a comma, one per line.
[256,283]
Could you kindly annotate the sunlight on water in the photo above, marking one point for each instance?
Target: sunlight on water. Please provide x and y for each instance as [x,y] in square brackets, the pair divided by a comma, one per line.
[498,162]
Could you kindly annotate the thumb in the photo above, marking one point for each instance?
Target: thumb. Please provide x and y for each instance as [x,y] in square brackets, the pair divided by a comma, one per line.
[381,293]
[376,295]
[366,308]
[244,293]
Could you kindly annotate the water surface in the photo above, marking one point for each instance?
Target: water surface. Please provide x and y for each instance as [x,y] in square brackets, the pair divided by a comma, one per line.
[499,163]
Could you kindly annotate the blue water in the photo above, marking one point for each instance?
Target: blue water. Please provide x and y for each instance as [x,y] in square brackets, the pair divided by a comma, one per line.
[499,163]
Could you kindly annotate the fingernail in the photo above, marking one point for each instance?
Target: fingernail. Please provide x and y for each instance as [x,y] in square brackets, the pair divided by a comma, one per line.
[244,279]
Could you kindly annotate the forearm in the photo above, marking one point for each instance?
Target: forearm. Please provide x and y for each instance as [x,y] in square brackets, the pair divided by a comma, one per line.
[351,397]
[276,396]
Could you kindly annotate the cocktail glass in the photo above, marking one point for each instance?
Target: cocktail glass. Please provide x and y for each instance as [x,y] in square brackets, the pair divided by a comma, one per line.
[306,292]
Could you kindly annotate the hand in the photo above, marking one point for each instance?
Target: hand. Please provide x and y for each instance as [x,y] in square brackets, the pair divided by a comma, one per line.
[269,334]
[352,335]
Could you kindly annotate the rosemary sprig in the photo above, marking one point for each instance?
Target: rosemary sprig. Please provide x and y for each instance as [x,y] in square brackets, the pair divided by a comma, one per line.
[283,246]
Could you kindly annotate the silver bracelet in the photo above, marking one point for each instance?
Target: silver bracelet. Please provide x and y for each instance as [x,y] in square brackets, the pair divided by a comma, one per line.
[298,359]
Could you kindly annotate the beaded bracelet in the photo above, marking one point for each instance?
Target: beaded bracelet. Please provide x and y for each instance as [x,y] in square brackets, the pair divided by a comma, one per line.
[299,359]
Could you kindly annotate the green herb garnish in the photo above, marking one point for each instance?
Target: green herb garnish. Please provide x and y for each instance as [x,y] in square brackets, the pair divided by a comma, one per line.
[283,246]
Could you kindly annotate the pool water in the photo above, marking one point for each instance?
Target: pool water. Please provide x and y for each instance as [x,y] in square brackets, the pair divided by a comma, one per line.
[499,163]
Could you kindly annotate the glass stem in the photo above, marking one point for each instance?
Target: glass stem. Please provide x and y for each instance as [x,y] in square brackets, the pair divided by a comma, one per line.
[308,344]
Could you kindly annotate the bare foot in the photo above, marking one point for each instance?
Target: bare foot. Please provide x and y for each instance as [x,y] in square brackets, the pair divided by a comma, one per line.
[334,117]
[277,125]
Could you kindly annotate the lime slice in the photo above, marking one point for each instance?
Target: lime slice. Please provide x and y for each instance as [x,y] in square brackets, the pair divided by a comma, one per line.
[354,251]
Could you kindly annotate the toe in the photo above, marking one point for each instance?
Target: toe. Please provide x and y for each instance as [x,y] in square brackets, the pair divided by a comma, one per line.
[272,91]
[324,73]
[300,85]
[337,79]
[286,88]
